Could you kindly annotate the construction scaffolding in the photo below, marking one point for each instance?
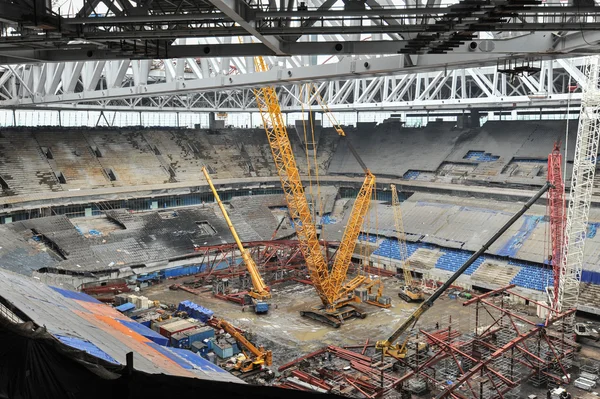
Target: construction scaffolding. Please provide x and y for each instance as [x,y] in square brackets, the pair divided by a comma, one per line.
[503,348]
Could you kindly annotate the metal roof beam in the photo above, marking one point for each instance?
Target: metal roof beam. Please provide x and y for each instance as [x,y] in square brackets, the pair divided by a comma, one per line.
[242,14]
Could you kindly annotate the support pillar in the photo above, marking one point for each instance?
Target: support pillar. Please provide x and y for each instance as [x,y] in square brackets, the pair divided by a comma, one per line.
[474,118]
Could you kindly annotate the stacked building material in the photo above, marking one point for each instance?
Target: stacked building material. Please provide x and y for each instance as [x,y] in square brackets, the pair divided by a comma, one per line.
[196,311]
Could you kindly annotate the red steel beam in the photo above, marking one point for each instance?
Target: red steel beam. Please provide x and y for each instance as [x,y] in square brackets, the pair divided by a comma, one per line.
[530,300]
[487,294]
[298,360]
[498,353]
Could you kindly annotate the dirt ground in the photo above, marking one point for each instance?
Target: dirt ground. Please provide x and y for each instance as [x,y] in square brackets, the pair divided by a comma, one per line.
[289,335]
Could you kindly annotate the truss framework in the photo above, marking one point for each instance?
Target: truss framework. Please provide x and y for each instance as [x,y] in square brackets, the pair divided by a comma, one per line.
[503,350]
[135,29]
[201,86]
[582,180]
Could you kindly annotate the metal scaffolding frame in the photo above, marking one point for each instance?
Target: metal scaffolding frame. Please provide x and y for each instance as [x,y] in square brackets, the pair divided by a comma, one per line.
[582,180]
[503,350]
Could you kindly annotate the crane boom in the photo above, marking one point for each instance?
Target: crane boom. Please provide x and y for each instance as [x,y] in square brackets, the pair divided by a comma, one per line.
[285,163]
[348,243]
[418,312]
[400,236]
[259,290]
[261,354]
[556,208]
[328,285]
[358,213]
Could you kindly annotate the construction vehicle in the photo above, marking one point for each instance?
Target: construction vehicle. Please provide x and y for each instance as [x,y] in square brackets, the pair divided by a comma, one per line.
[258,296]
[258,357]
[399,351]
[409,292]
[335,306]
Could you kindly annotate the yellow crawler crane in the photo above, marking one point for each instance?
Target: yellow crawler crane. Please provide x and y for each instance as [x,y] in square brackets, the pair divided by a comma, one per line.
[260,357]
[348,243]
[259,293]
[334,309]
[410,292]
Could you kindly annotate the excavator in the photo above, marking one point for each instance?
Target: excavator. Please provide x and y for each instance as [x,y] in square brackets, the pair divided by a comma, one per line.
[410,292]
[336,303]
[260,357]
[259,295]
[399,351]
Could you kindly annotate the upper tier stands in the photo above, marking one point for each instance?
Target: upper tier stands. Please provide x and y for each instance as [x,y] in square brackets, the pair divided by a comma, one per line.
[55,159]
[499,152]
[23,167]
[127,158]
[73,156]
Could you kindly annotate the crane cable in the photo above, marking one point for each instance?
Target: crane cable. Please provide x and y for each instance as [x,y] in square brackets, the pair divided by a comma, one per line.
[316,166]
[308,159]
[308,171]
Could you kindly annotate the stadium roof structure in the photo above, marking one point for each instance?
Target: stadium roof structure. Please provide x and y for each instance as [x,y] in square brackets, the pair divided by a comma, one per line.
[197,55]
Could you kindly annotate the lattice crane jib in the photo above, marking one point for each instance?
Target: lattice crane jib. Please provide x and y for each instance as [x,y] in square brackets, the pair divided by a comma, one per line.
[582,179]
[259,288]
[351,233]
[401,237]
[359,210]
[283,156]
[557,214]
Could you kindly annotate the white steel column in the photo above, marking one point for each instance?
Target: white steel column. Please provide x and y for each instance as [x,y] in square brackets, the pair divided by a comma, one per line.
[584,168]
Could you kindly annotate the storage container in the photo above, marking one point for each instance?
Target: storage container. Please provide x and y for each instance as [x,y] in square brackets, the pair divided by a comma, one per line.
[199,348]
[157,324]
[222,349]
[199,334]
[121,299]
[180,340]
[166,330]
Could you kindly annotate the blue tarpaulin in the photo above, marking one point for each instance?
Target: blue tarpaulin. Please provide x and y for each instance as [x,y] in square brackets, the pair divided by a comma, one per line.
[196,311]
[85,346]
[125,307]
[151,276]
[79,296]
[145,332]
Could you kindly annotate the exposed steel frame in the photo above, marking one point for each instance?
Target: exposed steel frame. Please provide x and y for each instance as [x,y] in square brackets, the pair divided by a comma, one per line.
[515,350]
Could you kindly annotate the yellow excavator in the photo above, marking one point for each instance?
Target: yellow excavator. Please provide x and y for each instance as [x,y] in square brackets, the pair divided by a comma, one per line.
[410,292]
[335,306]
[258,357]
[259,294]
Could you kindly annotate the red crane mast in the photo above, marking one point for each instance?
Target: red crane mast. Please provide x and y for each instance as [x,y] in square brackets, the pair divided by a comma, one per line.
[556,213]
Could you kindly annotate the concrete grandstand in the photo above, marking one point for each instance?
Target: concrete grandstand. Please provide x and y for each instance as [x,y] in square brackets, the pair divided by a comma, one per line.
[95,182]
